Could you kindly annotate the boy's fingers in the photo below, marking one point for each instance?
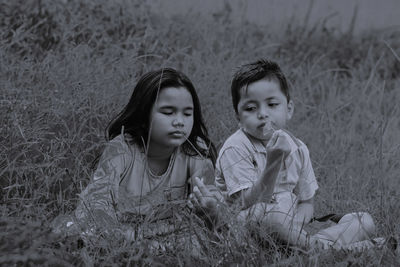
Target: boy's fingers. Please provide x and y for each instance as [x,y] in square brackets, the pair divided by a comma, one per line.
[273,139]
[281,141]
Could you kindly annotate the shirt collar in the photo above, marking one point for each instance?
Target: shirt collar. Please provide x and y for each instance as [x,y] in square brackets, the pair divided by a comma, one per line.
[255,143]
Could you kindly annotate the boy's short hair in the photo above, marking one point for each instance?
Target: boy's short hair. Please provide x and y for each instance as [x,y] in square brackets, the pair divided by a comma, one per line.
[253,72]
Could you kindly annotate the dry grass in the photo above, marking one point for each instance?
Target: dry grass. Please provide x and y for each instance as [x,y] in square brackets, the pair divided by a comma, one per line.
[68,66]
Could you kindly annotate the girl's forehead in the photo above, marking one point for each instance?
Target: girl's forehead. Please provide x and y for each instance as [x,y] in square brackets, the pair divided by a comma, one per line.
[175,95]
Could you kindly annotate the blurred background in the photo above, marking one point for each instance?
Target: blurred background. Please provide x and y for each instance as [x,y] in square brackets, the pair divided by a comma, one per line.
[338,14]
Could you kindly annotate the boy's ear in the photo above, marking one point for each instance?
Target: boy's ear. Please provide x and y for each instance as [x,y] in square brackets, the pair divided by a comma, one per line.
[290,107]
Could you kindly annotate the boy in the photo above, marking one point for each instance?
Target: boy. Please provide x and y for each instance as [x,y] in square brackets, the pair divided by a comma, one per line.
[269,172]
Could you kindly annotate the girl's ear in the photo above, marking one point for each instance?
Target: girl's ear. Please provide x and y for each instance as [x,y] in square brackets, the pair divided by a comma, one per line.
[290,107]
[237,117]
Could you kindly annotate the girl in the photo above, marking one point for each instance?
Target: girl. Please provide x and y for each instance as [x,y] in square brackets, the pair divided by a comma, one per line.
[157,145]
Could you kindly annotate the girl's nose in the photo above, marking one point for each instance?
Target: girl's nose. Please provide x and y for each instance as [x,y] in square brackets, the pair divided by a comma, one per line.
[178,121]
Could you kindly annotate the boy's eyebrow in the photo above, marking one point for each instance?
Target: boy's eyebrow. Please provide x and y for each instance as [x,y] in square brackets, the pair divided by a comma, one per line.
[270,98]
[249,101]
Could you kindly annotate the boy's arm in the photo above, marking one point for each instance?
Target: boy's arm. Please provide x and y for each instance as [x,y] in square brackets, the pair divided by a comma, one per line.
[263,189]
[278,149]
[306,188]
[305,211]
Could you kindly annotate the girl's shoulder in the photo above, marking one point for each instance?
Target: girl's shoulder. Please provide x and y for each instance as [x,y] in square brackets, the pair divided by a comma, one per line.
[194,157]
[121,144]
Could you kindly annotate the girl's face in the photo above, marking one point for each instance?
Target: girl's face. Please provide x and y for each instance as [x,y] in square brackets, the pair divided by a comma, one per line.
[171,119]
[263,101]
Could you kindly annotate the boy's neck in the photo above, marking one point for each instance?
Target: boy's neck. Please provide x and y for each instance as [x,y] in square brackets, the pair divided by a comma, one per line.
[254,139]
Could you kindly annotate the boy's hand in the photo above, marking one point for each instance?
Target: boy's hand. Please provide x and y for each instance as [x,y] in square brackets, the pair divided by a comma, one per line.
[279,145]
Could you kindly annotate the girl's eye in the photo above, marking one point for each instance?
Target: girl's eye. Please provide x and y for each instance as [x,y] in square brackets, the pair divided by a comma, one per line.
[167,112]
[187,114]
[250,108]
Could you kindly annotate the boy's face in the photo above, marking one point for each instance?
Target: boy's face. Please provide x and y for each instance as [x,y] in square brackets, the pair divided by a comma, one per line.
[263,100]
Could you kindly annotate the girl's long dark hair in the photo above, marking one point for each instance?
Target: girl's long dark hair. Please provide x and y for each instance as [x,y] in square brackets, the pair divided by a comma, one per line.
[135,117]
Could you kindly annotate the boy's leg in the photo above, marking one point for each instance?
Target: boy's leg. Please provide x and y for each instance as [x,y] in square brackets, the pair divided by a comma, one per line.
[276,221]
[353,227]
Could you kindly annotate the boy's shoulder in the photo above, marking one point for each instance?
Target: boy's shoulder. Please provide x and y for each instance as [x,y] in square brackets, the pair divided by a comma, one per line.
[299,147]
[238,140]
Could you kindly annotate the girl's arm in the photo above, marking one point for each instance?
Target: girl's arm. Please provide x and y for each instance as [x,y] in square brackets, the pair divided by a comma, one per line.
[99,199]
[205,197]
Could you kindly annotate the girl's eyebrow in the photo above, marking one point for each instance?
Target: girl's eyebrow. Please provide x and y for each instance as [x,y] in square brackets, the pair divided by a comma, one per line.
[174,107]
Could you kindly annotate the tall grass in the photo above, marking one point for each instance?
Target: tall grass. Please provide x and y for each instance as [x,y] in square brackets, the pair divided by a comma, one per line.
[67,68]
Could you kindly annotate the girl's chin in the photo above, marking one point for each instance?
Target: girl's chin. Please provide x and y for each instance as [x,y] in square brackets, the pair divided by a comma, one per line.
[176,143]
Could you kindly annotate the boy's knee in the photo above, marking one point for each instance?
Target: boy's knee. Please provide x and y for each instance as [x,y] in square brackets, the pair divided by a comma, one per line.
[367,223]
[364,219]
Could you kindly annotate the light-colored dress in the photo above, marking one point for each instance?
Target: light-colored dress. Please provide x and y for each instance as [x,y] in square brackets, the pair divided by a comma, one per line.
[242,159]
[123,184]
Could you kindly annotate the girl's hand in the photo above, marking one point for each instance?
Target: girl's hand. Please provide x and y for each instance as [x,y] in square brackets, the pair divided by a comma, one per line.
[203,197]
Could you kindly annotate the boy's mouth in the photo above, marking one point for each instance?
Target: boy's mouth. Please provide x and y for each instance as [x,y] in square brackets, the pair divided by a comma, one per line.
[261,125]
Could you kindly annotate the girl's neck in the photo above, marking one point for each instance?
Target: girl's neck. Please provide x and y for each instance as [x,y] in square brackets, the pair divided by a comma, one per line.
[160,153]
[158,160]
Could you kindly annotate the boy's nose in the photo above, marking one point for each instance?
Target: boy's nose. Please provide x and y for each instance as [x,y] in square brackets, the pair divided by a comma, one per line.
[262,113]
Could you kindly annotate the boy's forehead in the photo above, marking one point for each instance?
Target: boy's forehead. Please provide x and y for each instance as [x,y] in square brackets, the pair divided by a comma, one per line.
[243,91]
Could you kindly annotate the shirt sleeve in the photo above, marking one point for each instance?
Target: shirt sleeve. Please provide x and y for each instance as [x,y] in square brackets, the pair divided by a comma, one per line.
[202,168]
[101,195]
[237,170]
[307,184]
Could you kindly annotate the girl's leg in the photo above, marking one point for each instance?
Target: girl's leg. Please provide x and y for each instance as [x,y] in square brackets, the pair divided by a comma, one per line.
[353,227]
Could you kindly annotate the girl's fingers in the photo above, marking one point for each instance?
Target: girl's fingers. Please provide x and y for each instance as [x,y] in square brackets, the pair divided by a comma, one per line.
[205,198]
[201,186]
[196,192]
[190,202]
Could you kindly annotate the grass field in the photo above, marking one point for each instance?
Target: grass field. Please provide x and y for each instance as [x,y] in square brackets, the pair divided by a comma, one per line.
[67,67]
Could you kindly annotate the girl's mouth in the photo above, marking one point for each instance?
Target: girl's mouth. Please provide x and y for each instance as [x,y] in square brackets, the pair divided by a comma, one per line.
[177,134]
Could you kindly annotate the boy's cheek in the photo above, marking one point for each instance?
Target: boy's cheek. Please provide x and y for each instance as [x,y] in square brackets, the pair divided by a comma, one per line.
[244,117]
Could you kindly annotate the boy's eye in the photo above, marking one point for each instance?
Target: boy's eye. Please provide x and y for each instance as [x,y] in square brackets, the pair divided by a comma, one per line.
[273,104]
